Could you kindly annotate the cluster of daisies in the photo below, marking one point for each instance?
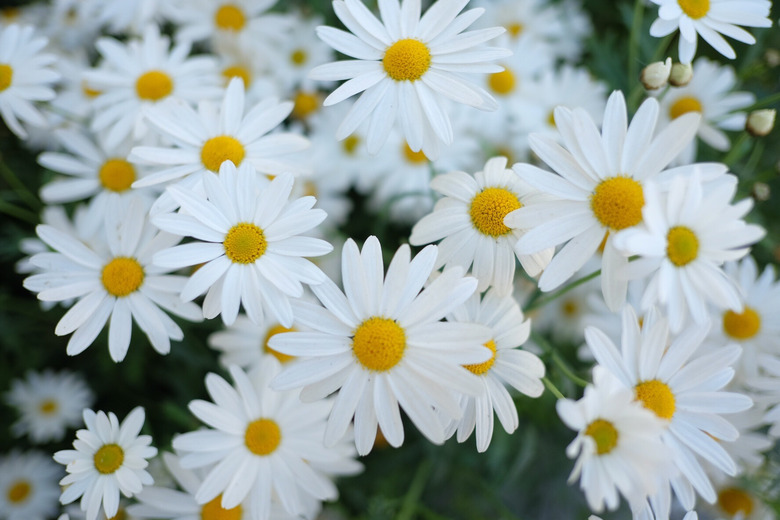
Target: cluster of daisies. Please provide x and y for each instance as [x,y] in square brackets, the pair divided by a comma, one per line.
[203,161]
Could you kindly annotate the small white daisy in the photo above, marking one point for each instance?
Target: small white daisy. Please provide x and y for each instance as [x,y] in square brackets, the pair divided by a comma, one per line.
[470,220]
[28,486]
[405,65]
[48,403]
[25,77]
[382,345]
[244,343]
[736,501]
[247,233]
[124,17]
[108,458]
[709,19]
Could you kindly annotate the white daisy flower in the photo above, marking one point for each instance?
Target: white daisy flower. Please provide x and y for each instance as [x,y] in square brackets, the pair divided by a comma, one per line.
[116,280]
[710,19]
[470,220]
[508,366]
[25,77]
[125,17]
[382,344]
[28,486]
[247,234]
[686,235]
[598,189]
[683,389]
[618,445]
[262,441]
[736,501]
[245,343]
[108,458]
[299,52]
[48,403]
[404,65]
[141,73]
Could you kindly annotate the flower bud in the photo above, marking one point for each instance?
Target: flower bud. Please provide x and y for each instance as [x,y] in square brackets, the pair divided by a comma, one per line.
[681,75]
[760,122]
[655,75]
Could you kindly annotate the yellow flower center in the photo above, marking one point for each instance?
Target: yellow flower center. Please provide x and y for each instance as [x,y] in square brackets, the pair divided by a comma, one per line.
[682,246]
[153,85]
[743,325]
[617,202]
[230,17]
[684,105]
[122,275]
[350,144]
[379,343]
[551,118]
[117,175]
[488,209]
[604,434]
[481,368]
[414,157]
[219,149]
[245,243]
[120,515]
[656,396]
[515,29]
[502,83]
[19,492]
[734,500]
[237,71]
[695,8]
[89,91]
[407,59]
[570,308]
[273,331]
[262,436]
[306,103]
[214,511]
[48,406]
[6,76]
[108,458]
[299,57]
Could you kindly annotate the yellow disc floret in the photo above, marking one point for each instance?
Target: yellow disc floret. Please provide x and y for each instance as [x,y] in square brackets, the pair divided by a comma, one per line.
[413,157]
[734,500]
[656,396]
[306,103]
[117,175]
[262,436]
[153,85]
[238,71]
[244,243]
[273,331]
[219,149]
[6,76]
[350,144]
[214,511]
[617,202]
[379,343]
[299,57]
[682,246]
[407,60]
[603,434]
[122,276]
[515,29]
[684,105]
[19,492]
[695,8]
[108,458]
[502,83]
[488,209]
[48,406]
[481,368]
[229,17]
[742,325]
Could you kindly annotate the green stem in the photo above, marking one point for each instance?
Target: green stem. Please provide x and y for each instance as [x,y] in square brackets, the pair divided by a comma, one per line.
[633,42]
[17,212]
[755,156]
[736,152]
[19,187]
[416,488]
[552,388]
[561,363]
[541,302]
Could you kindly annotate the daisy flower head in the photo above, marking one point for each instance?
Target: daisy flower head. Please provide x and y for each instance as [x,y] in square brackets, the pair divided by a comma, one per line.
[381,344]
[736,501]
[48,403]
[597,188]
[109,458]
[28,486]
[683,386]
[508,366]
[247,234]
[618,445]
[244,343]
[124,17]
[688,231]
[143,72]
[404,65]
[116,280]
[470,220]
[709,19]
[25,77]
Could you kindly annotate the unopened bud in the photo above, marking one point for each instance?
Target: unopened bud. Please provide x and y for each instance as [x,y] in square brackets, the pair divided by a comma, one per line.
[772,57]
[760,122]
[681,75]
[761,192]
[656,75]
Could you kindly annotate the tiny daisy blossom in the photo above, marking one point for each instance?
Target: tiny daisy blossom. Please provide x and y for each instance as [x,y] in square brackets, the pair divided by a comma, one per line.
[618,445]
[115,280]
[263,442]
[682,387]
[48,404]
[244,343]
[300,51]
[122,17]
[404,65]
[470,220]
[382,344]
[686,234]
[108,458]
[25,77]
[598,189]
[28,486]
[508,366]
[247,234]
[737,501]
[709,19]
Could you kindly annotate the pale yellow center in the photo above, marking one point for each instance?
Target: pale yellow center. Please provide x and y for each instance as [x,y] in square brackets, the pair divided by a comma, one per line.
[515,29]
[656,396]
[570,308]
[734,500]
[603,434]
[6,76]
[306,103]
[19,492]
[407,59]
[379,343]
[551,118]
[413,157]
[244,243]
[238,71]
[350,144]
[122,276]
[120,515]
[299,57]
[743,325]
[153,85]
[682,246]
[108,458]
[488,209]
[117,175]
[214,511]
[684,105]
[48,407]
[230,17]
[695,8]
[481,368]
[219,149]
[273,331]
[502,83]
[262,436]
[89,91]
[617,202]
